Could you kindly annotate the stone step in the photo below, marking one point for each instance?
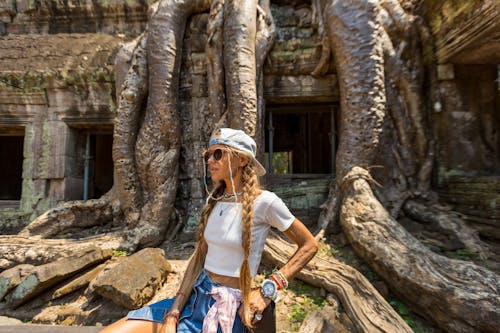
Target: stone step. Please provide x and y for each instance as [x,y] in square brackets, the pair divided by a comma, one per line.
[483,184]
[473,200]
[49,329]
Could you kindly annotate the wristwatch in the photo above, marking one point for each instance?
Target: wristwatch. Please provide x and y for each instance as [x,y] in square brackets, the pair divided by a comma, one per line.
[269,289]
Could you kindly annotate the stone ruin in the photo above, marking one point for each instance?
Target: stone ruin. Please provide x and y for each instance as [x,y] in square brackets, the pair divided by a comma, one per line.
[57,105]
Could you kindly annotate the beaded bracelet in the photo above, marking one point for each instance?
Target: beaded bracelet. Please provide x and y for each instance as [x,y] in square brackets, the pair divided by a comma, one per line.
[173,313]
[280,279]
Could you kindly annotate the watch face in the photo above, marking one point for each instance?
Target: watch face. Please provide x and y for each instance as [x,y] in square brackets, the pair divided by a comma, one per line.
[268,288]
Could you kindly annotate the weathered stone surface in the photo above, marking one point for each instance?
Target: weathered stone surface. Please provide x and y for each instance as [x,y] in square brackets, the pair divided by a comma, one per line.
[48,329]
[134,281]
[10,278]
[7,321]
[78,283]
[304,197]
[301,88]
[48,275]
[74,16]
[64,314]
[465,31]
[319,321]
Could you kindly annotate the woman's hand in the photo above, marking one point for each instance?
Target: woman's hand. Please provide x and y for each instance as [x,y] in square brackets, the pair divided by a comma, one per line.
[169,325]
[258,303]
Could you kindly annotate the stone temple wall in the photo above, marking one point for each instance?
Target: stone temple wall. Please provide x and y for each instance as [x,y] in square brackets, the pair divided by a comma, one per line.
[57,83]
[466,121]
[127,17]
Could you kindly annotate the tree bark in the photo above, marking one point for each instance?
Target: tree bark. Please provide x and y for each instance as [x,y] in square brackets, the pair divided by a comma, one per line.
[71,215]
[443,290]
[239,63]
[132,94]
[457,295]
[447,223]
[366,308]
[33,250]
[215,63]
[158,142]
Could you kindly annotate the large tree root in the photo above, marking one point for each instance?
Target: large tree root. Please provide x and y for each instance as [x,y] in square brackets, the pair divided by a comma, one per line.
[458,296]
[448,223]
[367,309]
[33,250]
[70,215]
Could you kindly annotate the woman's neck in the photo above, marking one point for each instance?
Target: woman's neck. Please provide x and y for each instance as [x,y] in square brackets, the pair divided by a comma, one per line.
[230,190]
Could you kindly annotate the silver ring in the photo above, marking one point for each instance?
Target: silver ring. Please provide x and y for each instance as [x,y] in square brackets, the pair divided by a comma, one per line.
[257,316]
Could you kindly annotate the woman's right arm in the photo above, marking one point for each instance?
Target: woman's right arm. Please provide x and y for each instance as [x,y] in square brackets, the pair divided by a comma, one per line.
[192,271]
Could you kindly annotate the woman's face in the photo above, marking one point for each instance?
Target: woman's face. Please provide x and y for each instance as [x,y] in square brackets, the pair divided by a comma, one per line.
[218,163]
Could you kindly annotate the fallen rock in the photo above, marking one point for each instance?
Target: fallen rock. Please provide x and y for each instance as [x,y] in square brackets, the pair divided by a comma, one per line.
[7,321]
[66,315]
[78,283]
[134,281]
[48,275]
[10,278]
[319,321]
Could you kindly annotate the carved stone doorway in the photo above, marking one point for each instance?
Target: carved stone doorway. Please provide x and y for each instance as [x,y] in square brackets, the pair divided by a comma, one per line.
[300,139]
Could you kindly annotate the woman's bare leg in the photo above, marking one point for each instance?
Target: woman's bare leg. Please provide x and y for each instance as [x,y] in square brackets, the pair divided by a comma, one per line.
[132,326]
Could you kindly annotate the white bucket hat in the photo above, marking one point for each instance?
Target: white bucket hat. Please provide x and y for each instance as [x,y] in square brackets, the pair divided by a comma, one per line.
[238,140]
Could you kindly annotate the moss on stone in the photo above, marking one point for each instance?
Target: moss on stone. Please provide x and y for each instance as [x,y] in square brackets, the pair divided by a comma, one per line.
[443,14]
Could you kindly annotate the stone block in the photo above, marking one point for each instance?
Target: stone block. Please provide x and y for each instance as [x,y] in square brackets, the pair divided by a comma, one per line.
[79,282]
[10,278]
[58,138]
[279,86]
[199,86]
[199,63]
[445,72]
[135,280]
[46,276]
[319,321]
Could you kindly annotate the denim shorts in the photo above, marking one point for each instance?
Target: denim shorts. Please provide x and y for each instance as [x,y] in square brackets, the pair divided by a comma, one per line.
[195,310]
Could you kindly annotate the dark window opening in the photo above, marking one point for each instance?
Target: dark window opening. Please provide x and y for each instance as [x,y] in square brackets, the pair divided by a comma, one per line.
[11,170]
[102,171]
[300,139]
[90,164]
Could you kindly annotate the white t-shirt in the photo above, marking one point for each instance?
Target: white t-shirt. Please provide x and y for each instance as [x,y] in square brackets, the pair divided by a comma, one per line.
[223,233]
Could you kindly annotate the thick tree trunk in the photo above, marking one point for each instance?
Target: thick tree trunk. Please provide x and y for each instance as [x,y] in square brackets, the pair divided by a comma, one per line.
[366,308]
[215,63]
[132,94]
[239,63]
[458,296]
[158,142]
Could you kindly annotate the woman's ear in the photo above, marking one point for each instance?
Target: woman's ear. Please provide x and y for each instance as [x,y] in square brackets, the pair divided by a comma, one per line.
[243,160]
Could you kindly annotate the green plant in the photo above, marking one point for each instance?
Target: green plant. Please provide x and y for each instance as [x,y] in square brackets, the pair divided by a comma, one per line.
[403,310]
[119,253]
[306,305]
[467,255]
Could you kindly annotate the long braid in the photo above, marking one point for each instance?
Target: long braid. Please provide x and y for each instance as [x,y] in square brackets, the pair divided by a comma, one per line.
[250,186]
[201,251]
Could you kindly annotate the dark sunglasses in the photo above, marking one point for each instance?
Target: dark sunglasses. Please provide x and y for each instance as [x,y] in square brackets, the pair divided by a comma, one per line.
[217,154]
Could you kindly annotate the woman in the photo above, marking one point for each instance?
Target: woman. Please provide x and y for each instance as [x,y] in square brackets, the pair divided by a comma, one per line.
[216,294]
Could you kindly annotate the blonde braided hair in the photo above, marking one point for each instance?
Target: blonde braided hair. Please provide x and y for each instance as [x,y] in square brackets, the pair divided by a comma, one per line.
[250,187]
[202,248]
